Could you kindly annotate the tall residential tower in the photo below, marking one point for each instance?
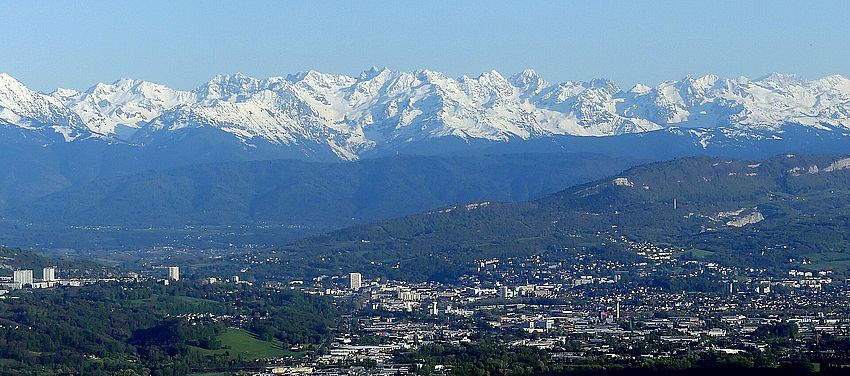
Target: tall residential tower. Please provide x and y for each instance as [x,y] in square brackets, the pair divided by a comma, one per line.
[355,281]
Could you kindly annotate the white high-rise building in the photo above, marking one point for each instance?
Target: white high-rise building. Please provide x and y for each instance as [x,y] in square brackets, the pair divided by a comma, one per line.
[174,273]
[355,281]
[24,277]
[618,310]
[505,292]
[48,274]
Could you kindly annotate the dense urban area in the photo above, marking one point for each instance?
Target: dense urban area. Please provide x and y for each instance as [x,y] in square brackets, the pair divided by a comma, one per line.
[540,314]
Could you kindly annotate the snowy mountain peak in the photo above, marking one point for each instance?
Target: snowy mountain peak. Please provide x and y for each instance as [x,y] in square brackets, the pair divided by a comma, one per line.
[640,89]
[121,107]
[781,79]
[528,82]
[604,84]
[527,73]
[13,91]
[8,80]
[228,87]
[316,81]
[834,83]
[66,96]
[381,108]
[46,116]
[492,75]
[703,83]
[373,72]
[429,75]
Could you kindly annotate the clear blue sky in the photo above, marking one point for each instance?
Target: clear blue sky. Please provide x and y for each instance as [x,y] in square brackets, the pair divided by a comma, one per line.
[49,44]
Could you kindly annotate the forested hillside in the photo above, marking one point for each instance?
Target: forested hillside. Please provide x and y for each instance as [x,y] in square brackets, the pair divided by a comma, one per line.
[756,213]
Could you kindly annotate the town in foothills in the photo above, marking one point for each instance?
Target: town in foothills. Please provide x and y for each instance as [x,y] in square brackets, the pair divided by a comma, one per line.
[458,188]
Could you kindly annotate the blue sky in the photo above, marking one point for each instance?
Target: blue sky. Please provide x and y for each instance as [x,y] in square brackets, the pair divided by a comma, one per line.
[184,43]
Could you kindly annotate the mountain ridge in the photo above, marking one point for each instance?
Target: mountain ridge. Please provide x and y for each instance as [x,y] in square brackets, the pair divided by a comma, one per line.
[330,194]
[314,113]
[785,211]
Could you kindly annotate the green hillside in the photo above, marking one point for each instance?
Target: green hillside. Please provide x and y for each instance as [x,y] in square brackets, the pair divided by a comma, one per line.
[751,213]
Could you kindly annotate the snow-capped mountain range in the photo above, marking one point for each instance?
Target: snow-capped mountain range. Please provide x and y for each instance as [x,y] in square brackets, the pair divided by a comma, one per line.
[387,109]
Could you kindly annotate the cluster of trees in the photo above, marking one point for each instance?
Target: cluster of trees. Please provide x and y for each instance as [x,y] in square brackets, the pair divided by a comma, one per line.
[492,358]
[487,357]
[293,319]
[110,328]
[780,330]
